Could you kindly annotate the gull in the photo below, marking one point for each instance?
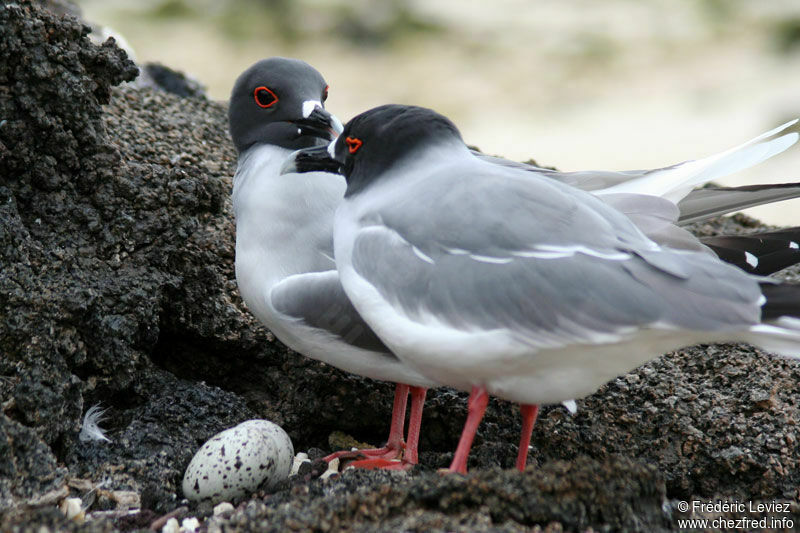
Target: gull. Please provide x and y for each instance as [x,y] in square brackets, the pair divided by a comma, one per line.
[503,281]
[284,241]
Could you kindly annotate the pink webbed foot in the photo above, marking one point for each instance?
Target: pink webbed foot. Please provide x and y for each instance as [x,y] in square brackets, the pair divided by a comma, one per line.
[386,453]
[409,453]
[395,446]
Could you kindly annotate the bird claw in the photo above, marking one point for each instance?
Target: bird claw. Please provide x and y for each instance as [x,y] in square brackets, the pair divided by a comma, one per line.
[386,458]
[387,452]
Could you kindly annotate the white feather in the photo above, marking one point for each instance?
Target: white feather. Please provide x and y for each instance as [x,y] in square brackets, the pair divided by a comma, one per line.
[677,181]
[90,429]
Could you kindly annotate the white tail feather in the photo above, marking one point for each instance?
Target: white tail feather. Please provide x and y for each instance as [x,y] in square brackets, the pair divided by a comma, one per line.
[674,183]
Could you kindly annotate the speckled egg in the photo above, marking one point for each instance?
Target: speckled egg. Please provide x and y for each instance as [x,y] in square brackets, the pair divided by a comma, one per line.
[238,460]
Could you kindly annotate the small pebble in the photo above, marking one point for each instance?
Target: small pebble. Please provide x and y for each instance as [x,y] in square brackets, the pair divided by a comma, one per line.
[299,459]
[172,526]
[224,509]
[256,453]
[126,499]
[72,509]
[571,406]
[190,525]
[333,469]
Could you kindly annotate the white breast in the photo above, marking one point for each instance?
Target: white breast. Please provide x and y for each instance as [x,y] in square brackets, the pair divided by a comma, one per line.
[284,224]
[284,227]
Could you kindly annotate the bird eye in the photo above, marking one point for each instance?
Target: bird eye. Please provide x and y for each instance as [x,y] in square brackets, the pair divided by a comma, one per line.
[264,97]
[353,144]
[325,93]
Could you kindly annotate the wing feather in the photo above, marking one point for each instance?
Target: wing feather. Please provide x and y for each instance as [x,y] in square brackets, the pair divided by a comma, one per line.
[318,300]
[549,262]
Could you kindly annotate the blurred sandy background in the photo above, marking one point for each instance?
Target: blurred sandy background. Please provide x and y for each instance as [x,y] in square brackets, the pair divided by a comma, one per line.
[612,84]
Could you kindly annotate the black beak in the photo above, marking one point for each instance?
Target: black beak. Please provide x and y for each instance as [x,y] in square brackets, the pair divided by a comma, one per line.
[319,123]
[312,159]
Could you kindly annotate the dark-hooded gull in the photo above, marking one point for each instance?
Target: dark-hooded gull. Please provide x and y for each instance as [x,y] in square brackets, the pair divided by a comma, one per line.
[502,281]
[284,247]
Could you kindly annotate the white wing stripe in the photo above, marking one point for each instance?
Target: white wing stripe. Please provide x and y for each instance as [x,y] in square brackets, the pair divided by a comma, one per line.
[419,253]
[493,260]
[549,251]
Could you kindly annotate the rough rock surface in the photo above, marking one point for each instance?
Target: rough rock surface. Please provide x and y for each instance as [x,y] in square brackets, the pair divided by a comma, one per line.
[117,287]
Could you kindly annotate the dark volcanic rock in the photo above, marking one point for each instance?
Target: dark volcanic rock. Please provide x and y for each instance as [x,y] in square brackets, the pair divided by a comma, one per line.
[164,78]
[715,419]
[28,468]
[52,152]
[613,495]
[106,259]
[117,287]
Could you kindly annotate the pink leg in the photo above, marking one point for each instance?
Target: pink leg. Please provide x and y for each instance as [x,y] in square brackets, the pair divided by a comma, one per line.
[529,413]
[395,441]
[394,446]
[414,424]
[410,455]
[478,399]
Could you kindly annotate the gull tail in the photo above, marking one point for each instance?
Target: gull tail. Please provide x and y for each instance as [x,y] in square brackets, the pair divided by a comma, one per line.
[701,204]
[675,182]
[761,254]
[779,331]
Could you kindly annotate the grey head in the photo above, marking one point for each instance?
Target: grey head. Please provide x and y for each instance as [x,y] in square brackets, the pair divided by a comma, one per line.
[374,141]
[280,101]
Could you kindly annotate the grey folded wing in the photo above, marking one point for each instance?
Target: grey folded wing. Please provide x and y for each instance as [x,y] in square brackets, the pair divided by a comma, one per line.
[699,204]
[657,218]
[552,264]
[318,300]
[587,180]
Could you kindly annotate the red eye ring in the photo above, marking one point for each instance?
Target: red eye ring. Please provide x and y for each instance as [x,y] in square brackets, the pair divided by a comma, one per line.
[258,92]
[353,144]
[325,93]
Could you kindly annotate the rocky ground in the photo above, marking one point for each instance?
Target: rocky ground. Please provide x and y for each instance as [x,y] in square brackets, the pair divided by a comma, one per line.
[117,288]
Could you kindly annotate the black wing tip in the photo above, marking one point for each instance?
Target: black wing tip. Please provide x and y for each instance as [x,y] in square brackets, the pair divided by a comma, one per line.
[761,253]
[782,299]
